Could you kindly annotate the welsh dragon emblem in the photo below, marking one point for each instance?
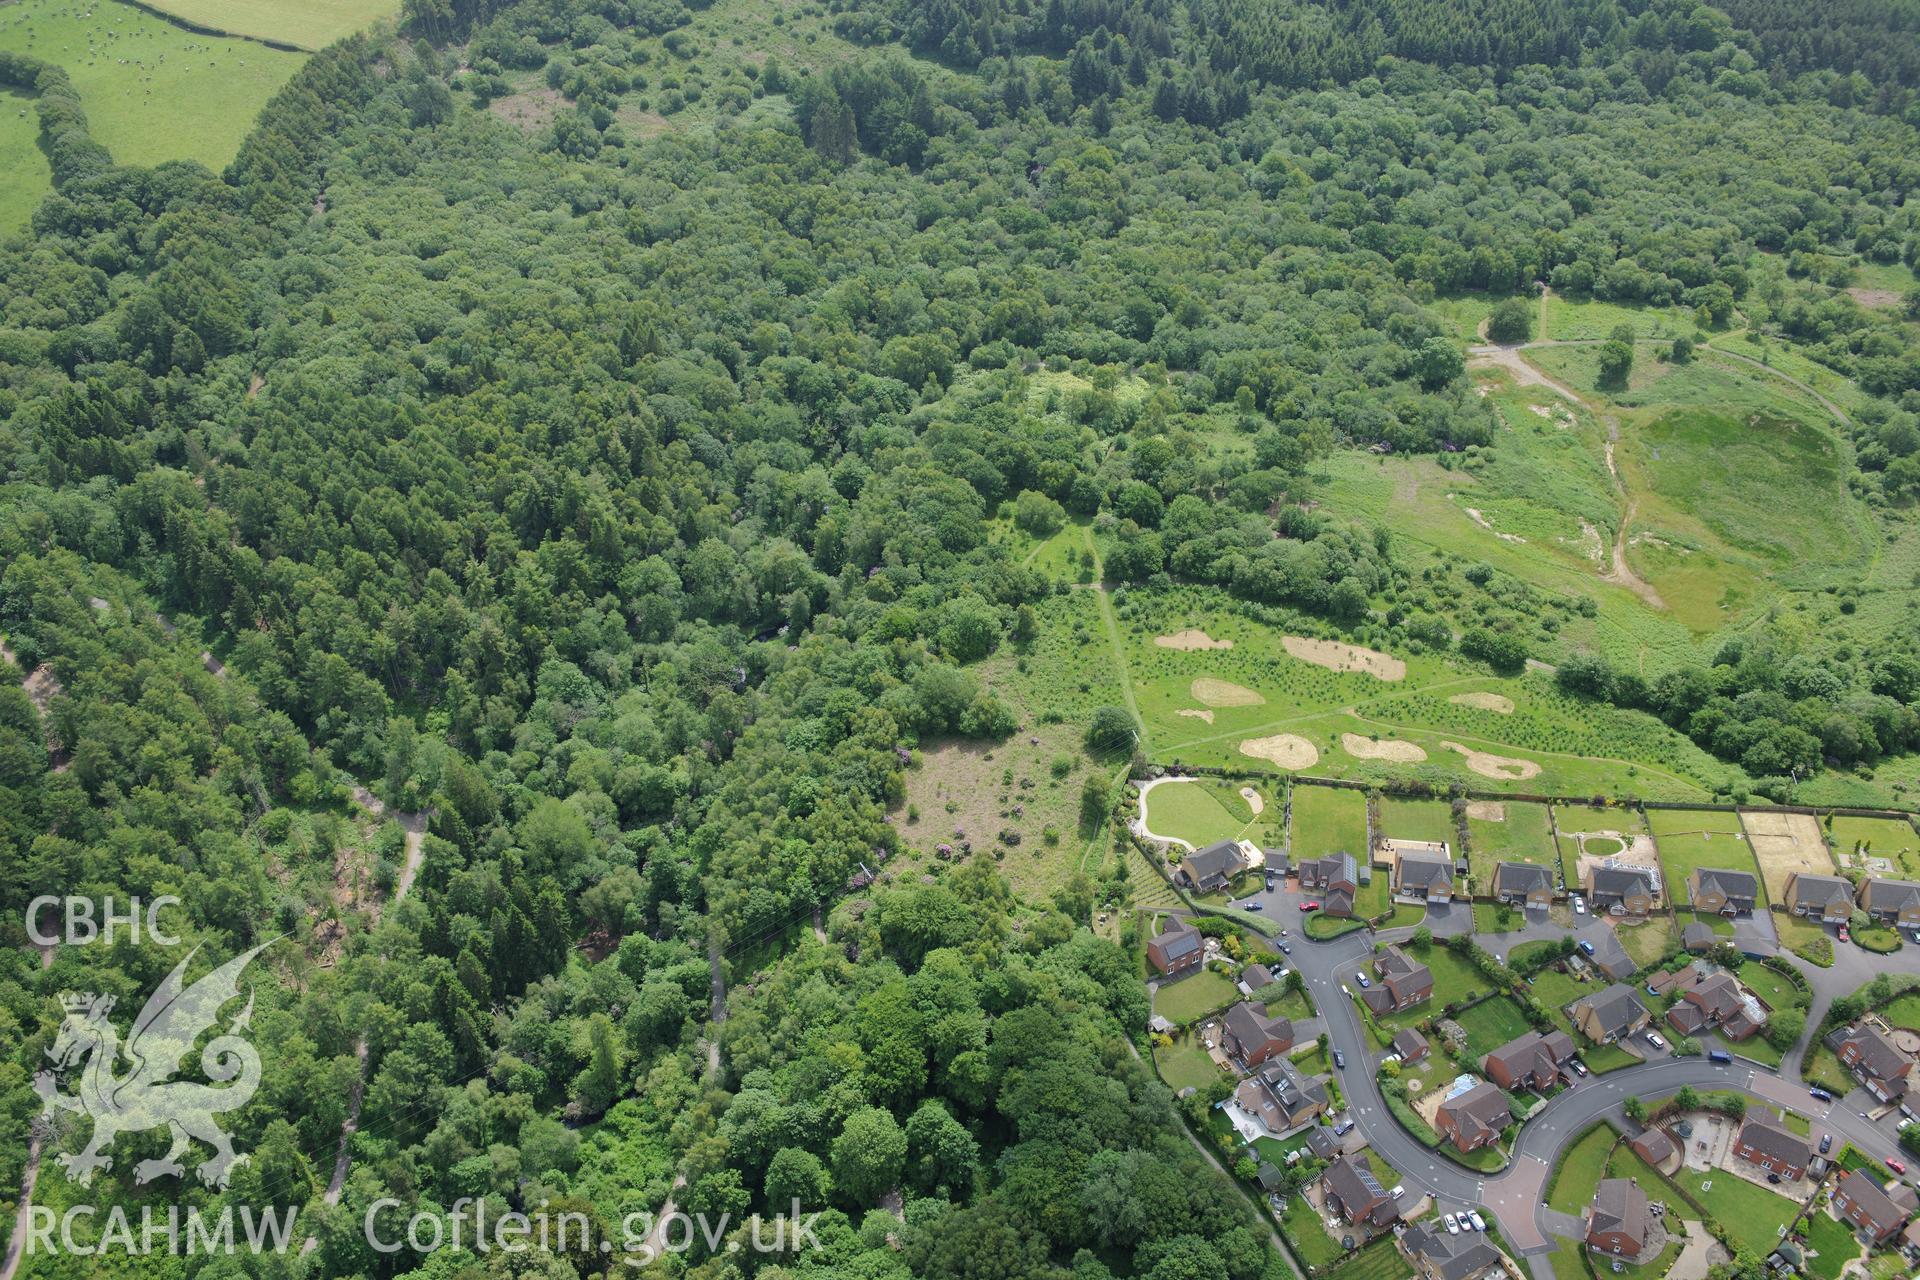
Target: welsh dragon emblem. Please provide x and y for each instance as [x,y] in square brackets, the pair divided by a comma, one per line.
[147,1096]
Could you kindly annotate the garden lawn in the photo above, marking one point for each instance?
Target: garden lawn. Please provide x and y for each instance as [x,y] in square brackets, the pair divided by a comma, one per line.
[1690,838]
[1378,1261]
[1192,998]
[1490,917]
[1553,990]
[1771,986]
[1185,1065]
[1328,820]
[1417,820]
[1833,1241]
[1524,834]
[1647,942]
[1879,838]
[1566,1258]
[1751,1214]
[1196,812]
[1490,1024]
[1308,1234]
[1581,1167]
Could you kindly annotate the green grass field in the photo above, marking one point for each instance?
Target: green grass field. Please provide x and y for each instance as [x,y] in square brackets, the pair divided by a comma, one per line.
[152,91]
[1751,1214]
[1417,820]
[1490,1024]
[1523,834]
[1199,812]
[1218,707]
[311,24]
[1772,986]
[1830,1245]
[1308,1234]
[1329,820]
[1185,1065]
[20,155]
[1690,838]
[1876,838]
[1581,1167]
[1378,1261]
[1194,997]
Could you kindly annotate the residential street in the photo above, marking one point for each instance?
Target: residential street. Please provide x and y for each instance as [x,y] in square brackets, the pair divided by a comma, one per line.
[1515,1195]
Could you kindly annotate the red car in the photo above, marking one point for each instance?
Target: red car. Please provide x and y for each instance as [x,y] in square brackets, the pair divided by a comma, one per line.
[1895,1165]
[1309,906]
[1843,934]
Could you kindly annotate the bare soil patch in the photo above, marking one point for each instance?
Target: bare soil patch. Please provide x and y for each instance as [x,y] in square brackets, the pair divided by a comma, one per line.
[1287,750]
[1196,713]
[1479,518]
[1488,765]
[1785,843]
[1875,297]
[1487,810]
[1191,640]
[531,111]
[1255,801]
[1484,702]
[1345,657]
[1384,749]
[1223,693]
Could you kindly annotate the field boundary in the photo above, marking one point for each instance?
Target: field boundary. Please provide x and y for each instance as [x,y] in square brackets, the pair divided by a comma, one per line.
[1413,788]
[202,29]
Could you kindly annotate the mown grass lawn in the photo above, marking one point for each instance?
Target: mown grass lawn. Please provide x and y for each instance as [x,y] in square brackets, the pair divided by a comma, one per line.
[1771,986]
[1378,1261]
[1581,1167]
[1197,812]
[1833,1241]
[1418,820]
[1186,1064]
[1553,991]
[1524,834]
[1751,1214]
[1690,838]
[1194,997]
[1329,820]
[1490,1024]
[1308,1234]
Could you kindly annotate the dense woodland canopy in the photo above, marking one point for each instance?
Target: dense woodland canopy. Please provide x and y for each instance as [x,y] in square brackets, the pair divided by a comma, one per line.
[623,503]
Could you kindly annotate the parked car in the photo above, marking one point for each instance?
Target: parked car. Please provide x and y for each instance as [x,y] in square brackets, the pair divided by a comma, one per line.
[1820,1095]
[1453,1225]
[1898,1166]
[1653,1038]
[1586,946]
[1720,1056]
[1339,1058]
[1479,1223]
[1285,950]
[1309,906]
[1399,1189]
[1269,884]
[1253,906]
[1844,936]
[1774,1178]
[1365,982]
[1343,1128]
[1579,905]
[1579,1067]
[1826,1143]
[1281,934]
